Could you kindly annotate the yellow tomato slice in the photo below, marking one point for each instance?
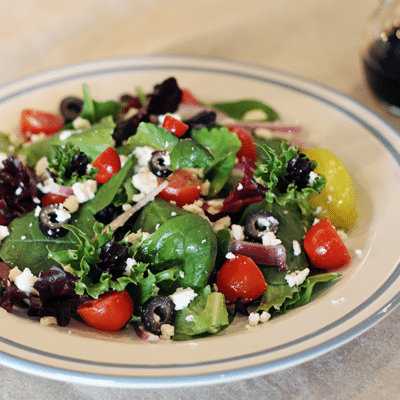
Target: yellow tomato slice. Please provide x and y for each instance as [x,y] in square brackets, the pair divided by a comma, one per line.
[337,199]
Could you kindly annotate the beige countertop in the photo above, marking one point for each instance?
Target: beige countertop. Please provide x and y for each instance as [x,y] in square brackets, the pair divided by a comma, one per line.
[315,40]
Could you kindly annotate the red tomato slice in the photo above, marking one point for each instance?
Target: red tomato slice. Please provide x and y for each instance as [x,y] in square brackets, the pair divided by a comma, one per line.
[188,97]
[33,122]
[108,164]
[178,128]
[110,312]
[325,247]
[240,277]
[183,188]
[53,198]
[248,149]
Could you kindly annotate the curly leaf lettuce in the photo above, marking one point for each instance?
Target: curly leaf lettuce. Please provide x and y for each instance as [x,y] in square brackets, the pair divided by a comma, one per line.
[274,170]
[278,299]
[61,165]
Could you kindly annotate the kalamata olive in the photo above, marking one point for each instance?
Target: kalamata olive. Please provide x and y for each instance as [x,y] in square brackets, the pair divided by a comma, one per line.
[260,222]
[70,108]
[79,163]
[156,311]
[51,221]
[159,164]
[113,256]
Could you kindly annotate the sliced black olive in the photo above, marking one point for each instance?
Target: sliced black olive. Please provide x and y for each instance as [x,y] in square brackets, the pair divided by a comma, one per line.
[71,108]
[159,164]
[49,222]
[156,311]
[258,223]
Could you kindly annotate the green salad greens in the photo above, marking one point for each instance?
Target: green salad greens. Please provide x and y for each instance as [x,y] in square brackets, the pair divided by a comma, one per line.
[188,204]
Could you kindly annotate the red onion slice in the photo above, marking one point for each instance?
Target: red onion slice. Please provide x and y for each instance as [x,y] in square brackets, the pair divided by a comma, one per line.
[144,335]
[260,254]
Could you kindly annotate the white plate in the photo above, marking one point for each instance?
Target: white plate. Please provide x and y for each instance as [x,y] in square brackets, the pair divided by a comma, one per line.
[366,144]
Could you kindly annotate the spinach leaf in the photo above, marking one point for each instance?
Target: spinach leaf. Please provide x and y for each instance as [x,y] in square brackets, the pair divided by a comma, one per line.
[238,109]
[185,241]
[291,228]
[27,247]
[92,141]
[206,313]
[94,111]
[189,154]
[152,135]
[223,146]
[107,192]
[155,214]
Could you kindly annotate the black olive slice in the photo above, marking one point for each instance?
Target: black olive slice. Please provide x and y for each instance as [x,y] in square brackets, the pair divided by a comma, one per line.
[159,164]
[71,108]
[50,223]
[260,222]
[156,311]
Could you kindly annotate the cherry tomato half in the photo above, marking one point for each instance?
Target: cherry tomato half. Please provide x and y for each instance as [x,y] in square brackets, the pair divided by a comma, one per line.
[240,277]
[183,188]
[108,164]
[110,312]
[177,127]
[53,198]
[33,122]
[325,247]
[248,149]
[188,97]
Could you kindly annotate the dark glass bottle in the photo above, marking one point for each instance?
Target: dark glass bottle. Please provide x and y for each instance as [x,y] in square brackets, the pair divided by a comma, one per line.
[381,55]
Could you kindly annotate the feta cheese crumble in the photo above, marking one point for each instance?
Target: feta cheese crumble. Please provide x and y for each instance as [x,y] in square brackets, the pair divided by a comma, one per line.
[269,239]
[145,181]
[237,232]
[143,155]
[296,248]
[297,277]
[4,232]
[182,297]
[25,280]
[85,191]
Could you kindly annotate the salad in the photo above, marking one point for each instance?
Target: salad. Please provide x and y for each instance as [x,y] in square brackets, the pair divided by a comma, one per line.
[168,213]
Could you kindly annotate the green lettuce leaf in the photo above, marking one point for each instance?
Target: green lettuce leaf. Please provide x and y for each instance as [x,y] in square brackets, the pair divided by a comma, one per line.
[206,314]
[61,165]
[278,299]
[274,170]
